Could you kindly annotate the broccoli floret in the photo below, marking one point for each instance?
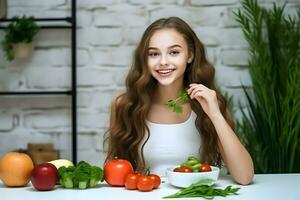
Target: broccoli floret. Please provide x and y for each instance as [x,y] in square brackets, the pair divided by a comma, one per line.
[82,176]
[67,180]
[66,176]
[96,176]
[82,180]
[83,165]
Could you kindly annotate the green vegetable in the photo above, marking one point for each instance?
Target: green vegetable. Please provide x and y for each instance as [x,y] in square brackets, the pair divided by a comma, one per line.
[193,163]
[196,167]
[95,176]
[81,176]
[205,189]
[173,104]
[193,158]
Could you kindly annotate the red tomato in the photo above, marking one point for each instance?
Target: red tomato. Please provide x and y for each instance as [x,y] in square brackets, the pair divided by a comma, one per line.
[145,183]
[116,170]
[44,176]
[205,167]
[138,173]
[156,180]
[183,169]
[131,181]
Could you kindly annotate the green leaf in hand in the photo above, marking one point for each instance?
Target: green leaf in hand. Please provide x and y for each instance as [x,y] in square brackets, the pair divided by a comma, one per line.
[183,96]
[173,103]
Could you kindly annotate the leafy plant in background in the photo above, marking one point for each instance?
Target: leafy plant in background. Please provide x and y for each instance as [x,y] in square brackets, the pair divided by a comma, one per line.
[271,128]
[20,30]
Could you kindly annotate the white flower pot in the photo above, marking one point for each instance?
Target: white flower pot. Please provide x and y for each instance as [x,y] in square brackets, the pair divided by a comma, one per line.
[23,50]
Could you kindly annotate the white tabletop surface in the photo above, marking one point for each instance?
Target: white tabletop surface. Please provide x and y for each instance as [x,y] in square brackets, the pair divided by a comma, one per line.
[264,186]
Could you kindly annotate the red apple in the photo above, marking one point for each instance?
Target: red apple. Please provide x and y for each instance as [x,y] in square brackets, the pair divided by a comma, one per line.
[44,176]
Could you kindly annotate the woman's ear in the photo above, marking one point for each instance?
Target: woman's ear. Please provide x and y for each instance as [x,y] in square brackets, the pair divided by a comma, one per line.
[191,57]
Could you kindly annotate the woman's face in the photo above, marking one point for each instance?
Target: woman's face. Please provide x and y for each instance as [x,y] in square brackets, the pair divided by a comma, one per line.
[168,56]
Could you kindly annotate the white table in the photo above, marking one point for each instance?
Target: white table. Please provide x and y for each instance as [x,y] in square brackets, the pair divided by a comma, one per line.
[266,186]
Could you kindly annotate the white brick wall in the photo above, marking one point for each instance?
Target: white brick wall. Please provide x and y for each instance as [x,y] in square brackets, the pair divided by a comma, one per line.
[108,31]
[6,123]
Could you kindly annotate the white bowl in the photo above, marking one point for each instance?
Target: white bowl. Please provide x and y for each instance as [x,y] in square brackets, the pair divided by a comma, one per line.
[181,179]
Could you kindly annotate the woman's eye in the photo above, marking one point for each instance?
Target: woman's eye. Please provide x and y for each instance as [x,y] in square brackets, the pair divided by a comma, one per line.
[174,53]
[153,54]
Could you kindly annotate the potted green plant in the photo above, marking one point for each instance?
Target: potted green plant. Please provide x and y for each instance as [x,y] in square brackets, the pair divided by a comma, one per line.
[270,129]
[18,39]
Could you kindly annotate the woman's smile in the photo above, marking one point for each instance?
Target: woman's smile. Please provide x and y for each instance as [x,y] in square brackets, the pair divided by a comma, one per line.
[165,72]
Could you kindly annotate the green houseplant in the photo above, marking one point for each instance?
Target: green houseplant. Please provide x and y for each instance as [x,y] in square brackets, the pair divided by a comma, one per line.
[19,33]
[270,129]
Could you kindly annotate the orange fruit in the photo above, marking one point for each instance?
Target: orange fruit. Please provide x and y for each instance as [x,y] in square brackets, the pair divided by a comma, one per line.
[15,169]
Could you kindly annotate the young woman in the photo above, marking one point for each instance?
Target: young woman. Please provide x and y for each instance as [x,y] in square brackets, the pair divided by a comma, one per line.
[170,59]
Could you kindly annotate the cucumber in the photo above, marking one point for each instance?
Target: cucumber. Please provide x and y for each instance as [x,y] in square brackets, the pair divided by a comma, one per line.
[196,167]
[192,162]
[193,158]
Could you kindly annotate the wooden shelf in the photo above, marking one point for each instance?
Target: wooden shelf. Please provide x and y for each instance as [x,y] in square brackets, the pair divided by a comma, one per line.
[68,22]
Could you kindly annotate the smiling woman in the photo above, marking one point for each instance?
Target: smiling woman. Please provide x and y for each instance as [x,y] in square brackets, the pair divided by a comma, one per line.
[170,59]
[168,55]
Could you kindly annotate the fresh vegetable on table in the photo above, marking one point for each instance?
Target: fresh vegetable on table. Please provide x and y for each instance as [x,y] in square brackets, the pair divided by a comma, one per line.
[204,189]
[156,180]
[143,182]
[61,162]
[15,169]
[131,181]
[81,176]
[183,169]
[205,167]
[192,164]
[116,170]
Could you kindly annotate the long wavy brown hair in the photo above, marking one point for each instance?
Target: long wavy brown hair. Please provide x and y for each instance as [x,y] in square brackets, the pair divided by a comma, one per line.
[128,128]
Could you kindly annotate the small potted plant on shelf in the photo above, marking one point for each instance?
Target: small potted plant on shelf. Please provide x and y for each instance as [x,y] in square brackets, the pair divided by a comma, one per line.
[18,39]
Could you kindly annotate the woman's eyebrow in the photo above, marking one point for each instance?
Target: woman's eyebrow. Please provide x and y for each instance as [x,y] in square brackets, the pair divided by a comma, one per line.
[170,47]
[175,45]
[152,48]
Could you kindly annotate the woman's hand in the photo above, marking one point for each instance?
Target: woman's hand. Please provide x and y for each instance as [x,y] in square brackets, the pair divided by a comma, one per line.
[206,97]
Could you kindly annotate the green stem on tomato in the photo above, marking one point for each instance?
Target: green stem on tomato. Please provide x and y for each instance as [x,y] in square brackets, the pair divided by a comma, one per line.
[147,171]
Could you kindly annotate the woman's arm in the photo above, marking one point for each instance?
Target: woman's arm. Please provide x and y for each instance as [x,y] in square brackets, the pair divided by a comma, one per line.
[236,157]
[234,154]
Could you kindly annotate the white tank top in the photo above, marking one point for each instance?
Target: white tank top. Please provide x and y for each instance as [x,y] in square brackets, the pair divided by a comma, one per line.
[170,145]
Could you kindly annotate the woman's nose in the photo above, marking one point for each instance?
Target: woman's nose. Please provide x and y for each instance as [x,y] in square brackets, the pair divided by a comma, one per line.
[164,60]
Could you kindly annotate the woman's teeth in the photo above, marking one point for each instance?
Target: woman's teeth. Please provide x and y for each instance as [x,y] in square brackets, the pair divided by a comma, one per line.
[165,71]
